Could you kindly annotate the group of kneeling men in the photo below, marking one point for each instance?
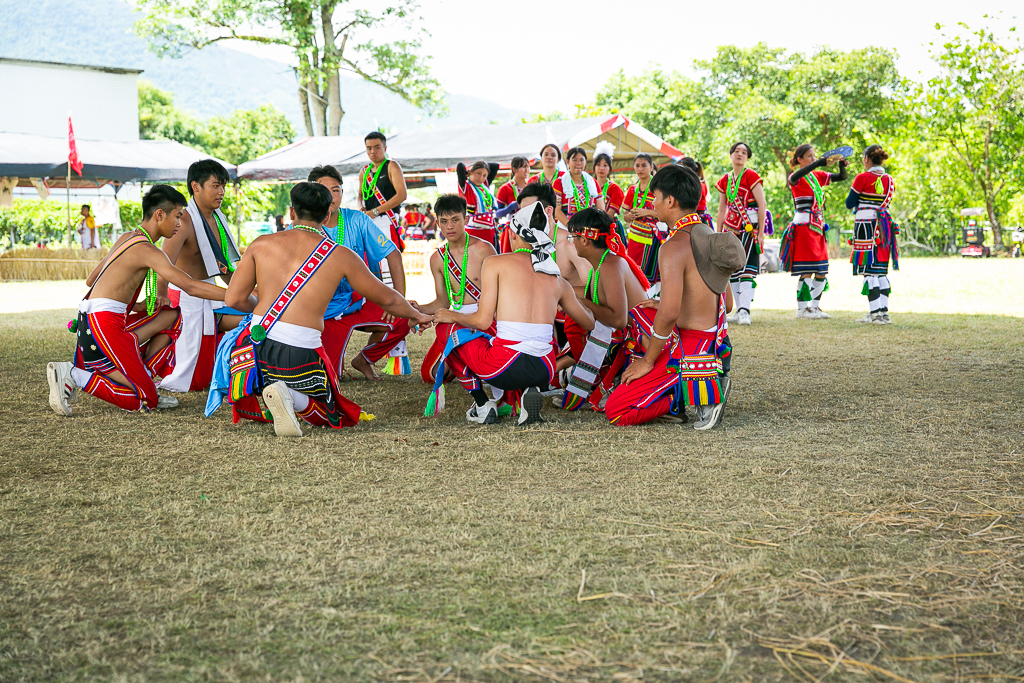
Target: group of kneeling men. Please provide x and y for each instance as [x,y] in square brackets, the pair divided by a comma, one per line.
[565,311]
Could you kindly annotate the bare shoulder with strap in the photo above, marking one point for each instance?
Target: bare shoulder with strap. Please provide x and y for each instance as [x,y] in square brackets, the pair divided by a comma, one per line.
[122,290]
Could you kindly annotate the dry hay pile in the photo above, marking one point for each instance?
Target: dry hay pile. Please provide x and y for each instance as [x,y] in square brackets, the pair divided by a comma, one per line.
[33,263]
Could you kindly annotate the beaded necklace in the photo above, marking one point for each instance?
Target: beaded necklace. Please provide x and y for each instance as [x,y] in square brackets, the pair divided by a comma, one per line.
[595,275]
[483,197]
[341,228]
[637,202]
[369,185]
[732,188]
[577,193]
[523,249]
[545,180]
[462,276]
[318,231]
[223,243]
[687,220]
[150,282]
[819,194]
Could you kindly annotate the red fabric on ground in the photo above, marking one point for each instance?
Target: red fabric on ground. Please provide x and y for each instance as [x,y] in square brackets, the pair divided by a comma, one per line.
[336,334]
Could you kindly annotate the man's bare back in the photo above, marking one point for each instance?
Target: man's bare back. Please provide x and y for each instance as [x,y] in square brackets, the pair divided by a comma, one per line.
[511,291]
[271,260]
[122,279]
[574,267]
[698,305]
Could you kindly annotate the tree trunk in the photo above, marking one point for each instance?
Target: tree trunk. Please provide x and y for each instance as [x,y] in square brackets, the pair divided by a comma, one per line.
[304,107]
[330,69]
[302,23]
[319,109]
[993,221]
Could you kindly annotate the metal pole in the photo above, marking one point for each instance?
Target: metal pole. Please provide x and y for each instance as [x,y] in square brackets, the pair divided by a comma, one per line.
[67,189]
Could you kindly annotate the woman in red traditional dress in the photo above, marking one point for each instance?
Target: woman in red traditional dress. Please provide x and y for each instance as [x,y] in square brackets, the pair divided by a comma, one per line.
[804,247]
[550,157]
[874,233]
[576,189]
[641,220]
[743,210]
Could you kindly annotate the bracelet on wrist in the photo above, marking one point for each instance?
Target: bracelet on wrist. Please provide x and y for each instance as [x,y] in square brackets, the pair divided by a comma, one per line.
[655,334]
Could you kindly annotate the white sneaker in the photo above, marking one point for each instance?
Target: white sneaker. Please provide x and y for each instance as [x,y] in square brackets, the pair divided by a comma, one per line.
[62,387]
[886,320]
[804,314]
[166,402]
[733,317]
[743,317]
[709,417]
[530,405]
[487,414]
[282,409]
[820,314]
[866,320]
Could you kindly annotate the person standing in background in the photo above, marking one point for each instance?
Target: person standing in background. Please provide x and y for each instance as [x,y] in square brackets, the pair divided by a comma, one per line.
[87,230]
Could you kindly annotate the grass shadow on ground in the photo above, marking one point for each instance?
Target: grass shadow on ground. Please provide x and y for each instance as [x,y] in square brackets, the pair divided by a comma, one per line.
[859,512]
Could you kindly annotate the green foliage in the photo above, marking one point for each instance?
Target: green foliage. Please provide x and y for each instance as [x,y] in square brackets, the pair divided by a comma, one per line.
[247,134]
[159,119]
[131,214]
[32,221]
[240,137]
[974,113]
[953,142]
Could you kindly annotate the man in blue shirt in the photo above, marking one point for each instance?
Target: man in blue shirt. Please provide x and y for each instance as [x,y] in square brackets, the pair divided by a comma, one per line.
[348,311]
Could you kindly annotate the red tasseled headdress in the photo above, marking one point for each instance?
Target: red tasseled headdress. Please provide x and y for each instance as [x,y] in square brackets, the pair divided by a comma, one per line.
[616,247]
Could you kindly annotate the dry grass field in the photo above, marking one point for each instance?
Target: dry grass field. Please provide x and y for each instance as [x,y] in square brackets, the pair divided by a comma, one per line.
[858,517]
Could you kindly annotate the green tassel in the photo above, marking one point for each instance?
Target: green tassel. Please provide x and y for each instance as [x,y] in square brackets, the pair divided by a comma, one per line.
[435,403]
[804,293]
[865,289]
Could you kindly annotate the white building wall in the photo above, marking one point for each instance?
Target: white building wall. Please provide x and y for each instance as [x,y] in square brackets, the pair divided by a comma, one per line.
[35,99]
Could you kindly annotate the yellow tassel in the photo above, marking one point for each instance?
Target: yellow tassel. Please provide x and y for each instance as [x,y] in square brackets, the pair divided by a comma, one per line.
[366,417]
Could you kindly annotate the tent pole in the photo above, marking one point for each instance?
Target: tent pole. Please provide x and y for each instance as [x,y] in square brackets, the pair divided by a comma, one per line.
[238,212]
[67,189]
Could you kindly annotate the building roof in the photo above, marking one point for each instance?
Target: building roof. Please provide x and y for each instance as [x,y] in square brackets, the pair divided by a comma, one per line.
[90,67]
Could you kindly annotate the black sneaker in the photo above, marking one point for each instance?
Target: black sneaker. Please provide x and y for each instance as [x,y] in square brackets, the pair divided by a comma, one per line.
[531,403]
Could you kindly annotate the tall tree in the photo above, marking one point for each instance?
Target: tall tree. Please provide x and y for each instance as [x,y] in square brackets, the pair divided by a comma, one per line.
[324,38]
[975,109]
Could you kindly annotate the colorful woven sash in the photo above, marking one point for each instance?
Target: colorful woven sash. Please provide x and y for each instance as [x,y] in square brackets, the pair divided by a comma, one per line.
[295,284]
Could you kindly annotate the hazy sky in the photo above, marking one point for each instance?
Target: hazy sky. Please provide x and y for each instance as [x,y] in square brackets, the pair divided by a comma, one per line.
[542,55]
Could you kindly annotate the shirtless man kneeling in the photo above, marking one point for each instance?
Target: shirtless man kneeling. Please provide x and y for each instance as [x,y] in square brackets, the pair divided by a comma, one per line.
[675,354]
[280,355]
[522,291]
[122,344]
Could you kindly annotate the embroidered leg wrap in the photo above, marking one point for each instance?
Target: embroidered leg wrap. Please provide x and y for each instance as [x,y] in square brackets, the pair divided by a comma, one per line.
[884,289]
[818,287]
[803,292]
[745,298]
[315,414]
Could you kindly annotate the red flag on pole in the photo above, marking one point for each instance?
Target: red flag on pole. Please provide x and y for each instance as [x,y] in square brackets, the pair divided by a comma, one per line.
[73,159]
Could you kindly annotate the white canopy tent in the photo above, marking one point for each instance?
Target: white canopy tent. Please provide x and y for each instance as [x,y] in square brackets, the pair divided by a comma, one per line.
[439,151]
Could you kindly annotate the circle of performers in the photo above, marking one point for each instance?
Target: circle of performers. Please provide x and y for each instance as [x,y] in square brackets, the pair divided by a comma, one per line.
[561,286]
